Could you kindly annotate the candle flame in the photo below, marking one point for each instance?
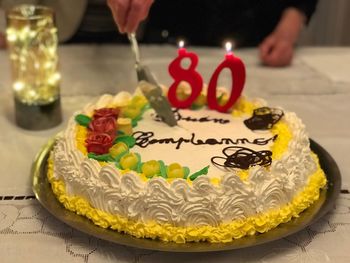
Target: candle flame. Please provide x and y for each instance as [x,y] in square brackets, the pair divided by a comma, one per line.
[228,46]
[181,44]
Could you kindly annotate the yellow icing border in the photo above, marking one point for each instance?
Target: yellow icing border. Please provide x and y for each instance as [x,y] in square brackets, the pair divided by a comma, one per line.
[80,137]
[280,145]
[244,107]
[223,233]
[284,136]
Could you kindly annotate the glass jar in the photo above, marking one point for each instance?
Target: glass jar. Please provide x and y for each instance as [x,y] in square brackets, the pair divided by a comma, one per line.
[32,41]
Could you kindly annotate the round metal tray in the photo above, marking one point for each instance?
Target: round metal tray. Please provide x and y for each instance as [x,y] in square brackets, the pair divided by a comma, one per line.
[44,194]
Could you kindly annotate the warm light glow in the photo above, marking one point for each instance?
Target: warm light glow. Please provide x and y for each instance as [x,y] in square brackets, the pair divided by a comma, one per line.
[33,52]
[49,65]
[18,86]
[32,94]
[52,80]
[11,35]
[228,47]
[181,44]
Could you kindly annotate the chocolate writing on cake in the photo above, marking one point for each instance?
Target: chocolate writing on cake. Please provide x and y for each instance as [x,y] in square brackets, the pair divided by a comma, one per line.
[242,158]
[264,118]
[144,139]
[179,117]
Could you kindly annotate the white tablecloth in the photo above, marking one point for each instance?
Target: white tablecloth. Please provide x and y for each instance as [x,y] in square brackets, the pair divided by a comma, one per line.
[316,87]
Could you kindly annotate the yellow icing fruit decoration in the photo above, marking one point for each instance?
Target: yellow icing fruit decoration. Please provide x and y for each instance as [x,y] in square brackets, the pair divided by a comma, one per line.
[201,100]
[222,96]
[175,170]
[118,149]
[129,161]
[131,111]
[183,90]
[151,168]
[139,101]
[124,125]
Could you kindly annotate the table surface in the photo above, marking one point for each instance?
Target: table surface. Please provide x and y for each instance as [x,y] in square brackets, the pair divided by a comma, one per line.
[316,87]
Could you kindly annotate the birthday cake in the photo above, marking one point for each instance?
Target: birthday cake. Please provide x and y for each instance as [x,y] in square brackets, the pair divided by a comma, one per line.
[214,177]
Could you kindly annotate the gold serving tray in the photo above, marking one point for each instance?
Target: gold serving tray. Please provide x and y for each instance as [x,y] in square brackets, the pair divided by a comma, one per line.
[44,194]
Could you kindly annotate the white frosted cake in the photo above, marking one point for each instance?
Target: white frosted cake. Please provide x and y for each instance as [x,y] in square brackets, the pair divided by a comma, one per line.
[214,177]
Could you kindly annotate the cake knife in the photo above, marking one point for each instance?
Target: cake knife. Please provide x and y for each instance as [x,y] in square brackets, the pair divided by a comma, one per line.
[150,87]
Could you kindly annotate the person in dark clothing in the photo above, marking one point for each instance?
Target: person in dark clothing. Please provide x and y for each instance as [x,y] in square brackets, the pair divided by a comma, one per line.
[273,25]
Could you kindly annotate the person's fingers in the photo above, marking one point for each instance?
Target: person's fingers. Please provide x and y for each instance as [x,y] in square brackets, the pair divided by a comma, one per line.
[284,55]
[280,55]
[120,10]
[266,47]
[138,12]
[134,17]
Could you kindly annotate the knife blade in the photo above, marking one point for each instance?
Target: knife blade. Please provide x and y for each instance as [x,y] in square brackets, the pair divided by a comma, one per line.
[150,87]
[154,94]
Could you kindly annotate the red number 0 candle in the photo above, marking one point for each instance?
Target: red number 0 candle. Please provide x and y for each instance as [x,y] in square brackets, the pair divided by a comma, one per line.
[237,69]
[189,75]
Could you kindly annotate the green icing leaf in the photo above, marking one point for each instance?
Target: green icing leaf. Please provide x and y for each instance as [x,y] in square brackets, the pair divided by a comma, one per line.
[128,140]
[196,107]
[135,120]
[83,120]
[138,157]
[186,171]
[119,156]
[102,157]
[145,108]
[133,123]
[220,98]
[119,132]
[139,167]
[199,173]
[162,169]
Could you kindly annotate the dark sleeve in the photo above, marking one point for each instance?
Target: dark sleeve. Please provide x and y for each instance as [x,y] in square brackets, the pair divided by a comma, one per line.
[308,7]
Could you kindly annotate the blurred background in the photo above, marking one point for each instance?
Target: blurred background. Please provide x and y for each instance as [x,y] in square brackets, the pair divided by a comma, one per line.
[329,26]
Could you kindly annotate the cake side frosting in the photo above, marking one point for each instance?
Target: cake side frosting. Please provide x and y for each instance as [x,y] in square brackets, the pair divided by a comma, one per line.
[130,200]
[223,233]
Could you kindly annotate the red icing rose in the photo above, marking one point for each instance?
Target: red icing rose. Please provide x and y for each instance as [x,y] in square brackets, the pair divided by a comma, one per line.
[104,125]
[106,112]
[99,143]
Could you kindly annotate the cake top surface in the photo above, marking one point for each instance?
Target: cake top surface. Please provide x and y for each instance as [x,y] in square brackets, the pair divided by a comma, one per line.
[204,142]
[202,138]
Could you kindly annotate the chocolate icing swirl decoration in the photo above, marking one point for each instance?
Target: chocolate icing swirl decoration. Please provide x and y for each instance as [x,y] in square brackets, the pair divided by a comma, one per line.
[264,118]
[242,158]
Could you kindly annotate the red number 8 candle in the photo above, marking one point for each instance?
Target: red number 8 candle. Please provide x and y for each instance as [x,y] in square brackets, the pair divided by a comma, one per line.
[192,77]
[237,69]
